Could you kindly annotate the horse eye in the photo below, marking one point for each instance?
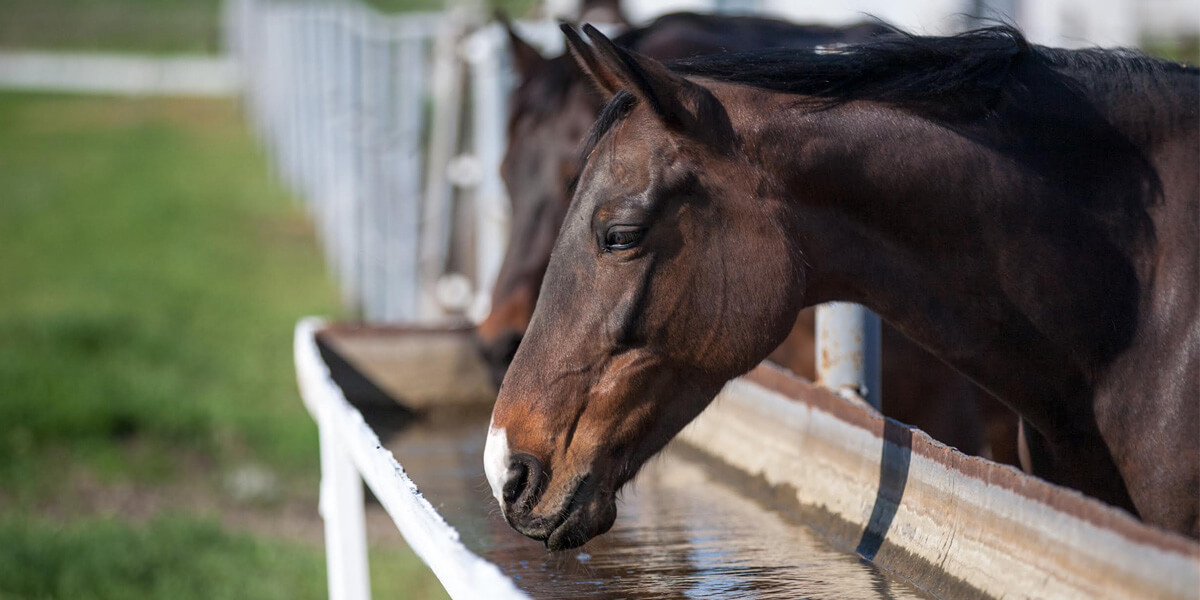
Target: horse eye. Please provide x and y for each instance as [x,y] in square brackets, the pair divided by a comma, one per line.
[623,237]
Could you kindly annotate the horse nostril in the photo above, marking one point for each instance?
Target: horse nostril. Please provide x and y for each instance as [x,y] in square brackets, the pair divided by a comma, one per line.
[517,472]
[524,481]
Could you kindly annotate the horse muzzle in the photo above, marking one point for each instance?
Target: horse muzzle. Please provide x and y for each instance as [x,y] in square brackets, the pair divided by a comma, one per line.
[574,517]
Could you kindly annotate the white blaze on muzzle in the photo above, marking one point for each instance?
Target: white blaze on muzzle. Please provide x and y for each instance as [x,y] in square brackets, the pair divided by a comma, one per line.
[495,462]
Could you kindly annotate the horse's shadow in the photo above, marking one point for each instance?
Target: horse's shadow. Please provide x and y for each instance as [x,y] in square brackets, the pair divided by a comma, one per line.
[893,476]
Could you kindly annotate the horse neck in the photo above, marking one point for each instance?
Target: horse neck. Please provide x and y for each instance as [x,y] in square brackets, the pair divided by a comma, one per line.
[974,252]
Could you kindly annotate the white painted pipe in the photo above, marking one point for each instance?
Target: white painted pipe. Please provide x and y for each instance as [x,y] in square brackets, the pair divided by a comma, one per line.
[848,351]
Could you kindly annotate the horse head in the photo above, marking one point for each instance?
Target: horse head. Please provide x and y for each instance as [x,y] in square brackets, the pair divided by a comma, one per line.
[643,314]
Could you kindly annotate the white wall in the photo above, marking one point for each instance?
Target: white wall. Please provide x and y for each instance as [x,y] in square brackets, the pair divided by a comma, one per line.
[922,16]
[645,10]
[935,17]
[1079,23]
[1064,23]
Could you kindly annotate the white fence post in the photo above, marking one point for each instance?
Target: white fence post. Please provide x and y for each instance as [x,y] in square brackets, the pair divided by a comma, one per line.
[345,519]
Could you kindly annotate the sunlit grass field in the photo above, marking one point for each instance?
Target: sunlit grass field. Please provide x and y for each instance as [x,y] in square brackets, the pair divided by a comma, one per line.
[150,271]
[150,275]
[155,26]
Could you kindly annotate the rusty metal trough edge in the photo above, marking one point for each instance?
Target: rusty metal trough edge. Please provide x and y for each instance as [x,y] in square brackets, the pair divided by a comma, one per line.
[953,524]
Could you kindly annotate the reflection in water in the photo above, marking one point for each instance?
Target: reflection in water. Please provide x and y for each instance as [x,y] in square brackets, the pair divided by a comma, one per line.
[679,534]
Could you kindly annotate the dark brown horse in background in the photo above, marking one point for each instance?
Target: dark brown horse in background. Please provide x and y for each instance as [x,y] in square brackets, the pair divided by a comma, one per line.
[552,107]
[1028,214]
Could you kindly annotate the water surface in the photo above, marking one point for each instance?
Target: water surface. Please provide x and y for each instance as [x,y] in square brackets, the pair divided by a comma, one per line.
[679,533]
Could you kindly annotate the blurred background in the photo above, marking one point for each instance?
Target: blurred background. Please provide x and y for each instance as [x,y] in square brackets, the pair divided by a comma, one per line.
[181,180]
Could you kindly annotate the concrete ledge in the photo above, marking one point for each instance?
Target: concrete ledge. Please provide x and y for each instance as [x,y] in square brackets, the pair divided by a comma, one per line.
[956,525]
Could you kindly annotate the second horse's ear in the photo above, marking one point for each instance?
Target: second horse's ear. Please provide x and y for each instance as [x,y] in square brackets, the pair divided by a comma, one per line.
[526,59]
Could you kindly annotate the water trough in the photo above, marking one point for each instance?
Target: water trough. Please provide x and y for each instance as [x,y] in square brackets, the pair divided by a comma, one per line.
[780,489]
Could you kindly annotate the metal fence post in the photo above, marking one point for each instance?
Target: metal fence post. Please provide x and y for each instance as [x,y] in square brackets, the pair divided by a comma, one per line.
[848,350]
[443,138]
[326,126]
[406,233]
[485,52]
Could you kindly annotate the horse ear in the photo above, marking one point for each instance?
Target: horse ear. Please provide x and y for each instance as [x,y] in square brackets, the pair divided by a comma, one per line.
[681,105]
[585,57]
[526,58]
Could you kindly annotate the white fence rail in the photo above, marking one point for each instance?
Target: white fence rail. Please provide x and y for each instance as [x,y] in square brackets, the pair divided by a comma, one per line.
[350,454]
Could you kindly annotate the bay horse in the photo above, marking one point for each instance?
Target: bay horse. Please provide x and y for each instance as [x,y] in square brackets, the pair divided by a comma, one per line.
[1028,214]
[553,105]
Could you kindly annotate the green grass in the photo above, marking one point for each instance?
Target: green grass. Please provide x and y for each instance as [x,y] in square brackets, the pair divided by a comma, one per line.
[176,557]
[150,275]
[156,26]
[1186,49]
[172,557]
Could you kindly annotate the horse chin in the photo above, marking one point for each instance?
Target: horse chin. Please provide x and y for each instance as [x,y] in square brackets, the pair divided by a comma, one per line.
[584,515]
[582,523]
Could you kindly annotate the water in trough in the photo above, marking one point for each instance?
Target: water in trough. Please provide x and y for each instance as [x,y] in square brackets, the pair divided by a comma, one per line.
[680,532]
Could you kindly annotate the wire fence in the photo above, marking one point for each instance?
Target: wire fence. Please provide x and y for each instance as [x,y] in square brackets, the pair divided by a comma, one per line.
[362,115]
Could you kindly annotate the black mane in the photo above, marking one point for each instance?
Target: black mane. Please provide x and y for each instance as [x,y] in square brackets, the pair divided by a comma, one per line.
[965,71]
[542,94]
[955,75]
